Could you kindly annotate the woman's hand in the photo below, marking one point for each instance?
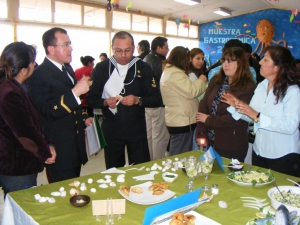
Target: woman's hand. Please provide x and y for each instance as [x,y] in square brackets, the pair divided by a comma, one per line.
[246,109]
[53,153]
[203,78]
[229,99]
[201,117]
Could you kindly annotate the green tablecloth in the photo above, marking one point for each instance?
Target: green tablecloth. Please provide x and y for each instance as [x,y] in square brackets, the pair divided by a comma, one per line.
[62,212]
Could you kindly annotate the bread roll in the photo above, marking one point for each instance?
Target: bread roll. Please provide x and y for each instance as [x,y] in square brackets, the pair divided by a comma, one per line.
[176,222]
[137,190]
[125,189]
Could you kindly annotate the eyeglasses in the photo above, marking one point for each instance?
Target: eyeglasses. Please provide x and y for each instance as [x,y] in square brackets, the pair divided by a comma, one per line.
[65,45]
[229,61]
[120,51]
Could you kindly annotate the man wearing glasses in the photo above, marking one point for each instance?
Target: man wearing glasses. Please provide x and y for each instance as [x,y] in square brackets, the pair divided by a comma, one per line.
[122,87]
[55,93]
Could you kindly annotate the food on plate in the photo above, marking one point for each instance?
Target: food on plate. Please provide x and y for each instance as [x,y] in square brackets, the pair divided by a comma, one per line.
[293,198]
[158,192]
[251,177]
[179,218]
[282,217]
[137,190]
[125,189]
[162,185]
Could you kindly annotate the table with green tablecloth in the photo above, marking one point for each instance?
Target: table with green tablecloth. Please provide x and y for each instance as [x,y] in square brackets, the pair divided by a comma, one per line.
[22,206]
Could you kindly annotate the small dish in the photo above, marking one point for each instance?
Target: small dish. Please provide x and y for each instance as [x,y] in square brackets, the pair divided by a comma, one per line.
[238,167]
[80,200]
[169,177]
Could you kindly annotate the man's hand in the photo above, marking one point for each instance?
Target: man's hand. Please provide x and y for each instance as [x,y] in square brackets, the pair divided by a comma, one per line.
[53,152]
[110,102]
[82,86]
[88,121]
[130,100]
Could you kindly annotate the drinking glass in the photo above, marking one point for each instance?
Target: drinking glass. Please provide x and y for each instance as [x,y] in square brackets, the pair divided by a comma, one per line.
[206,168]
[191,167]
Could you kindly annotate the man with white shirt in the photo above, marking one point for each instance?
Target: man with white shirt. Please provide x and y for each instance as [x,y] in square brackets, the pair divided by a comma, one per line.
[55,93]
[122,87]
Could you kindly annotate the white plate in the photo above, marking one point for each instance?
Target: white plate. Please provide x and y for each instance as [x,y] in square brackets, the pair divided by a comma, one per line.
[200,219]
[147,198]
[55,193]
[244,183]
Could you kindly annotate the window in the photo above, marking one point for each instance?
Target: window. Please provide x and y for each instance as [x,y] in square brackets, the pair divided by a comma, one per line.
[3,9]
[155,25]
[171,28]
[193,32]
[7,37]
[185,42]
[121,20]
[94,16]
[182,31]
[67,13]
[139,23]
[36,10]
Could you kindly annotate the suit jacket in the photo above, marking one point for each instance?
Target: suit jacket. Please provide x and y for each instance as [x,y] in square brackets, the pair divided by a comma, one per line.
[62,117]
[23,146]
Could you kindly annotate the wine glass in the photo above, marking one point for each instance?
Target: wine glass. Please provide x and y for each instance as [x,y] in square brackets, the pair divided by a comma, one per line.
[191,167]
[206,168]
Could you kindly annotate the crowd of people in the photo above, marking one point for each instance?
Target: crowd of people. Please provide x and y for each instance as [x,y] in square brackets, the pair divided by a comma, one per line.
[155,104]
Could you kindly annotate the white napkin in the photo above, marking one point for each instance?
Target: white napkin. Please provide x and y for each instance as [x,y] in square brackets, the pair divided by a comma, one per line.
[113,170]
[149,176]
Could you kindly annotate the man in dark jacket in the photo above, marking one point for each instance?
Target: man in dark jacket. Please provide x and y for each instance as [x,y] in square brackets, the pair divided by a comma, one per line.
[157,133]
[55,93]
[122,87]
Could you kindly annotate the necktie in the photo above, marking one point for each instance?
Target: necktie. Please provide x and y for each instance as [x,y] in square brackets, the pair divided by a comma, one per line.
[66,73]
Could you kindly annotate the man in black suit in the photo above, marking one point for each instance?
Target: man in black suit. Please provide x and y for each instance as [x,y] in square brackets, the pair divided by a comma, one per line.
[55,93]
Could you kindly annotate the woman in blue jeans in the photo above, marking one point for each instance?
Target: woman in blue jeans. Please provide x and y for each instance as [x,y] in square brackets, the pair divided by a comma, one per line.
[24,148]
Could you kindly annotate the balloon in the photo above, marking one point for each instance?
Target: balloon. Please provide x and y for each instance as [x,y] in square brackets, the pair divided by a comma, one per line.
[177,21]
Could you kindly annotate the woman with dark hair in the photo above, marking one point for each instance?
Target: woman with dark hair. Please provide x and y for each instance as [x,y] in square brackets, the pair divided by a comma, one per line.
[86,70]
[228,136]
[197,66]
[103,56]
[143,49]
[23,146]
[275,111]
[179,96]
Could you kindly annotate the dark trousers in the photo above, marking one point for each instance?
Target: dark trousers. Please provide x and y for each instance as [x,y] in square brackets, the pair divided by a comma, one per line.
[237,154]
[137,149]
[15,183]
[288,164]
[55,174]
[180,143]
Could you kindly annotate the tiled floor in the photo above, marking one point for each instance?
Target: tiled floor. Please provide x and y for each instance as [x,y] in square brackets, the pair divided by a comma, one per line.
[95,164]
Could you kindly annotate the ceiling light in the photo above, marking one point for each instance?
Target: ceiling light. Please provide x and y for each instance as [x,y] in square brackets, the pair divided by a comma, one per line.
[222,12]
[189,2]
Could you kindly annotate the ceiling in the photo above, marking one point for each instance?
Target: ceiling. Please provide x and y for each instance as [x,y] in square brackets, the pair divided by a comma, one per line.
[203,12]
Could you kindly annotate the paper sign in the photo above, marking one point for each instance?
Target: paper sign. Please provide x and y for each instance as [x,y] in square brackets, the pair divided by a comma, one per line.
[211,153]
[158,210]
[99,207]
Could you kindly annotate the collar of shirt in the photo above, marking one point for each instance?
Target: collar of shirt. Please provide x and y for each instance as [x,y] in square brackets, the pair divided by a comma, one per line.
[59,66]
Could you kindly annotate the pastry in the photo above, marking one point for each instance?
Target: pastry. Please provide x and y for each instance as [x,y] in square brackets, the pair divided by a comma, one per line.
[137,190]
[118,97]
[178,216]
[158,192]
[162,185]
[125,189]
[176,222]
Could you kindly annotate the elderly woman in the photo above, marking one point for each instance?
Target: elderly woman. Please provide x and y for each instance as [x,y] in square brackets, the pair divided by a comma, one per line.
[275,109]
[23,147]
[228,136]
[179,96]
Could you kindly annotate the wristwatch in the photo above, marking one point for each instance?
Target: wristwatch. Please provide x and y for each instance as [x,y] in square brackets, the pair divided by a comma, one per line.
[139,101]
[257,118]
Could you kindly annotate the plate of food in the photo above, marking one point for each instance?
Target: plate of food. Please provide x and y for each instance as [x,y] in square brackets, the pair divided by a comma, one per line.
[147,193]
[251,178]
[190,218]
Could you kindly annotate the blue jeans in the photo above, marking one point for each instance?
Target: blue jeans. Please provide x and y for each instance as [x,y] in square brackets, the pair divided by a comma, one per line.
[15,183]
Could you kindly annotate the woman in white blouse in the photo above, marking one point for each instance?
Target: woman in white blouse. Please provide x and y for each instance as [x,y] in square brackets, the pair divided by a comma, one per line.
[275,109]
